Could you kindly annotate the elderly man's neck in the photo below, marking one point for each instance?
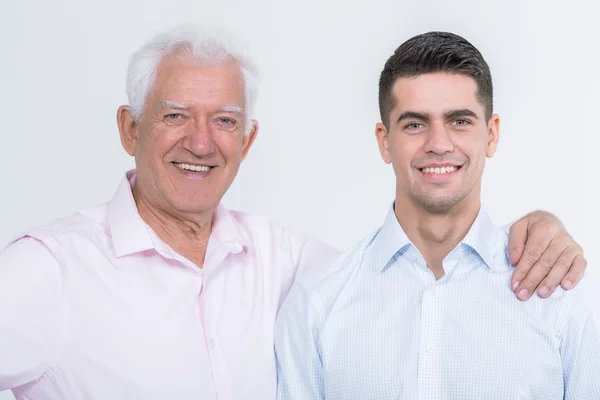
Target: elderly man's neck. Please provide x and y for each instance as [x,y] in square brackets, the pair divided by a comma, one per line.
[436,234]
[188,235]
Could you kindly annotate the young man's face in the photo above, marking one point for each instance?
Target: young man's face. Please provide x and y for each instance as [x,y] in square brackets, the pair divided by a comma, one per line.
[438,140]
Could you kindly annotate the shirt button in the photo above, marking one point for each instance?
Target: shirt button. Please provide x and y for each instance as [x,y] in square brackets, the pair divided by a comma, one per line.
[430,348]
[212,343]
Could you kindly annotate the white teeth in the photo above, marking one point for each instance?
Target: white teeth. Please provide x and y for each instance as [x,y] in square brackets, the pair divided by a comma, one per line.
[195,168]
[439,170]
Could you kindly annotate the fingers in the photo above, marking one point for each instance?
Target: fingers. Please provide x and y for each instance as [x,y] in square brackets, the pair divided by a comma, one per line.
[536,251]
[559,271]
[576,272]
[551,268]
[517,236]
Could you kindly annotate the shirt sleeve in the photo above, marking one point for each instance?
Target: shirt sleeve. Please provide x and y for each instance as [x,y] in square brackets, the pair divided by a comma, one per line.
[30,312]
[299,369]
[313,253]
[579,336]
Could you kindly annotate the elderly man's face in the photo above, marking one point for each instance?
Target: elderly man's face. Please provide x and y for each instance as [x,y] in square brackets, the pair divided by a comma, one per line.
[189,142]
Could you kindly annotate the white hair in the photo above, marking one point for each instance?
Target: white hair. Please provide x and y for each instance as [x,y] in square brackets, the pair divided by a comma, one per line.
[204,46]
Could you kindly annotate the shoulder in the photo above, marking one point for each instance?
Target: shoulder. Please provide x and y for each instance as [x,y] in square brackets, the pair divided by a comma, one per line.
[575,304]
[29,263]
[80,224]
[253,224]
[274,233]
[336,271]
[25,249]
[315,291]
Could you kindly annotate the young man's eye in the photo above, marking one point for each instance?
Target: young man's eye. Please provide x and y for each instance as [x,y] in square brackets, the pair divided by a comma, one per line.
[461,122]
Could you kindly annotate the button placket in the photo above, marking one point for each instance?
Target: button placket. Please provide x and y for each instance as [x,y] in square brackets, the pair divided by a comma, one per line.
[427,371]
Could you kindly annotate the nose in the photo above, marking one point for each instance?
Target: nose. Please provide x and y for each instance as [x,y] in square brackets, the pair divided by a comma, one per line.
[199,138]
[438,140]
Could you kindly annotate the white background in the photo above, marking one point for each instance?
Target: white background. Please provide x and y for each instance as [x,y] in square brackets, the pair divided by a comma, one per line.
[315,164]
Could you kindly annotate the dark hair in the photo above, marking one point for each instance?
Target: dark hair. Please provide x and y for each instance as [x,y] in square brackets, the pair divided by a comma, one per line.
[435,52]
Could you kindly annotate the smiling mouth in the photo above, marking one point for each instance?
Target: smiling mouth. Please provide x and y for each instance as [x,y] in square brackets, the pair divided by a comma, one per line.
[192,168]
[439,170]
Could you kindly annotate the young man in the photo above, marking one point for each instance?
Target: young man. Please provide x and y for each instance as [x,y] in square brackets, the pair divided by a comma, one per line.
[419,309]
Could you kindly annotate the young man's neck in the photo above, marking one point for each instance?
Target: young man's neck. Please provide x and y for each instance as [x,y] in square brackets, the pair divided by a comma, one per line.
[435,235]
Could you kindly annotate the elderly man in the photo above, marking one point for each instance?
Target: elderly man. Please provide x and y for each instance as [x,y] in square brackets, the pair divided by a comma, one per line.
[430,284]
[161,292]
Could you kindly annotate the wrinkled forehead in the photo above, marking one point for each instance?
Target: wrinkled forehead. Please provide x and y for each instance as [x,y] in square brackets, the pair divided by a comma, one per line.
[180,80]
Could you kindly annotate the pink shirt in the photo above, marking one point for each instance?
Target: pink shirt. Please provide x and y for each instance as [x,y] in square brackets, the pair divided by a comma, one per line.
[96,306]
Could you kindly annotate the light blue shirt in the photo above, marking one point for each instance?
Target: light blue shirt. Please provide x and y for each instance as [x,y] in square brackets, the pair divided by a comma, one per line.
[375,324]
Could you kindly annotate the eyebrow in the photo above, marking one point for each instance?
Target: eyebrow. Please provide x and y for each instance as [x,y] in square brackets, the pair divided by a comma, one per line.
[463,112]
[232,109]
[413,114]
[174,105]
[452,114]
[229,109]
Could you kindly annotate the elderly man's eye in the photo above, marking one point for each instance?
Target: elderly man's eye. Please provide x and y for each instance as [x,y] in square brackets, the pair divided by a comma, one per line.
[225,123]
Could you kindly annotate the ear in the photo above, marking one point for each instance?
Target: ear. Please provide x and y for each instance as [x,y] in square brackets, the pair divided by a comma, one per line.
[127,129]
[382,136]
[493,135]
[248,139]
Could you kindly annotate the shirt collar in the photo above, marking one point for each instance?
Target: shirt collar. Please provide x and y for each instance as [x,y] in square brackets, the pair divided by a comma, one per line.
[391,241]
[130,233]
[227,232]
[128,230]
[485,239]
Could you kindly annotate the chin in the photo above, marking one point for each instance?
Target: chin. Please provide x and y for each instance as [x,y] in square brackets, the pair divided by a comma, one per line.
[437,208]
[194,207]
[439,205]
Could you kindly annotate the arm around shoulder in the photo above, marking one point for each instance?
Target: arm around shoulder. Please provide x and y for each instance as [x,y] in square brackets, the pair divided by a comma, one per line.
[30,312]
